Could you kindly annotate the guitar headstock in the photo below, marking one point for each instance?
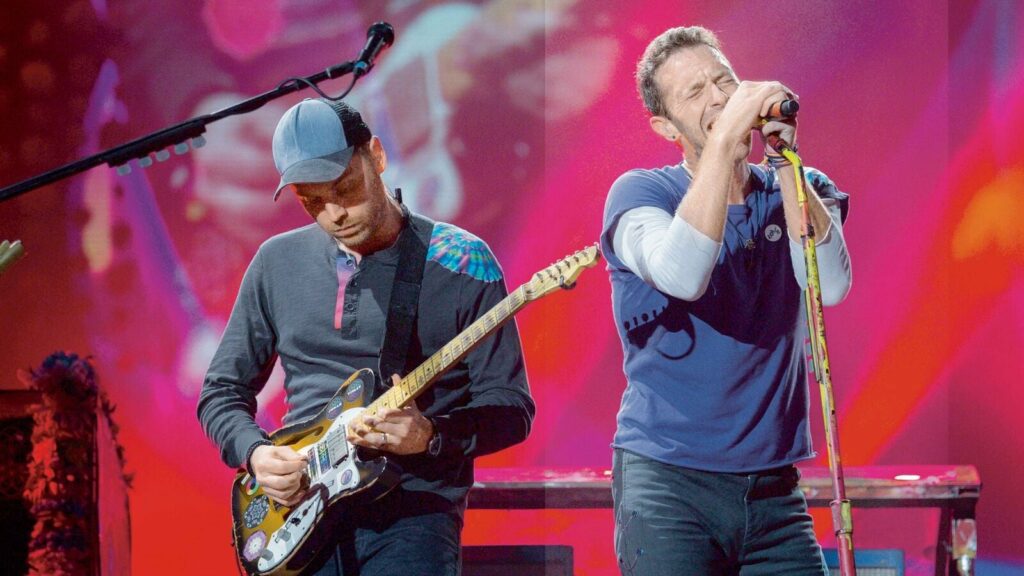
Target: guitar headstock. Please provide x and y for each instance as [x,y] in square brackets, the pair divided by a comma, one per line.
[561,274]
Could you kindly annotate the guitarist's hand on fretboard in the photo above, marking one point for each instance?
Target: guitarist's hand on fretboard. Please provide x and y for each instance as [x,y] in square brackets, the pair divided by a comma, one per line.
[280,471]
[404,431]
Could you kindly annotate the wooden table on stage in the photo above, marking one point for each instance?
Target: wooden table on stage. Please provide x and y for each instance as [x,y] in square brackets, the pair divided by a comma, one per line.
[952,489]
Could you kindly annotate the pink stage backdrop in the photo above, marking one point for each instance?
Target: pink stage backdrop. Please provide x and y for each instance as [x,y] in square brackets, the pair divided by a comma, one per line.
[512,118]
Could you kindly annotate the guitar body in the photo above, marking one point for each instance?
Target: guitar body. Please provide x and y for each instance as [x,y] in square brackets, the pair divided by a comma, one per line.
[271,539]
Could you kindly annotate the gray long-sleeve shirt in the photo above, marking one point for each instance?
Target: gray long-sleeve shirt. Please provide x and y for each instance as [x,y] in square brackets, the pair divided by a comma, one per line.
[288,307]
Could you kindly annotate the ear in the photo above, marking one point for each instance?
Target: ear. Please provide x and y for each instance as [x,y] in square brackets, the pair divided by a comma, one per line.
[663,127]
[378,155]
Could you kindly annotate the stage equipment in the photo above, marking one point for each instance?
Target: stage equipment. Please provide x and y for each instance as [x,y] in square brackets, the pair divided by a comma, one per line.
[378,37]
[63,490]
[953,490]
[842,519]
[784,109]
[180,136]
[16,424]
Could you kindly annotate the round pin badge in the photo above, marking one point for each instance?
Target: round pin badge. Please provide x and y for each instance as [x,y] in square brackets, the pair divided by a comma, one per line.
[773,233]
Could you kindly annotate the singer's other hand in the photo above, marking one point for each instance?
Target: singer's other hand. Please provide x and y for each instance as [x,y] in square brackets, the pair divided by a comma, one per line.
[785,128]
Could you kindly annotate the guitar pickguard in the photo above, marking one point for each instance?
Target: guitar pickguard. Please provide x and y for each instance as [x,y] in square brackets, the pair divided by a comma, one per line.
[270,538]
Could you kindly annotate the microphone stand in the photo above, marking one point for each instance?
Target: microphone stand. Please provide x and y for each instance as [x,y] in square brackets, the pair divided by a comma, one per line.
[175,136]
[842,518]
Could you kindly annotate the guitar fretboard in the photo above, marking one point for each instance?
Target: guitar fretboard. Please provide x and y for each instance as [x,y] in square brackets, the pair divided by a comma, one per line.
[432,368]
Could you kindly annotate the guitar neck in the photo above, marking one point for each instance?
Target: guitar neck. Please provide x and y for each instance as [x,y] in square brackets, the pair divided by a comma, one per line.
[406,390]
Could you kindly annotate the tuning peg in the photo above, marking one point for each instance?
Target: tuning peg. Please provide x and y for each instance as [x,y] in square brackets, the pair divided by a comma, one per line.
[198,142]
[162,155]
[180,148]
[146,161]
[124,169]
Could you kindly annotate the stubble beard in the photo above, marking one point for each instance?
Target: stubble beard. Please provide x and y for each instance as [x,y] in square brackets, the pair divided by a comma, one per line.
[375,231]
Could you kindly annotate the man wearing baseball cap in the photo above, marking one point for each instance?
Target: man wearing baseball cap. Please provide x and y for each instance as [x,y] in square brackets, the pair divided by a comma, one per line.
[368,285]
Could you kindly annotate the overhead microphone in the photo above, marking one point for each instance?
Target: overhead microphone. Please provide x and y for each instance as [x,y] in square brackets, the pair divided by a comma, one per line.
[379,36]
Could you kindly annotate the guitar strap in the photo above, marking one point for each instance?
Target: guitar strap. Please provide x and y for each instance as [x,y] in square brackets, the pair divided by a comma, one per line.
[405,296]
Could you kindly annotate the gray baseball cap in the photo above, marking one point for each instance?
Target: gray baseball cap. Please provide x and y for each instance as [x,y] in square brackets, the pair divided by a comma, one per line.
[314,141]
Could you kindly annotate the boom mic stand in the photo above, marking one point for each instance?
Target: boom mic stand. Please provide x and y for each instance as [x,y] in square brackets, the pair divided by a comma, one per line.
[178,136]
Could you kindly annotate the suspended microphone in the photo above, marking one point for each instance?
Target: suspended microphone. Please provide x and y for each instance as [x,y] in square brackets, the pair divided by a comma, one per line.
[378,37]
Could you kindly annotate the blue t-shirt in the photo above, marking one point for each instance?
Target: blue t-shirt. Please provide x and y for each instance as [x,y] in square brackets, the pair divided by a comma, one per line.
[717,384]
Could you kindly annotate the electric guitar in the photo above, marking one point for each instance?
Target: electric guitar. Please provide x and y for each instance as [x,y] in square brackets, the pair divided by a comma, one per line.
[271,539]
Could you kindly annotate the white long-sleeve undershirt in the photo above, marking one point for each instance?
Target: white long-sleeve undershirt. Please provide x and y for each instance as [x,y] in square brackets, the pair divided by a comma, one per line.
[674,257]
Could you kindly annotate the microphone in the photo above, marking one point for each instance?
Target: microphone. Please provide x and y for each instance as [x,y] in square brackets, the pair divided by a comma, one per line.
[784,109]
[378,37]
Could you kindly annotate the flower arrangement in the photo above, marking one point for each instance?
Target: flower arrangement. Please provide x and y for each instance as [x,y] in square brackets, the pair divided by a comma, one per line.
[62,467]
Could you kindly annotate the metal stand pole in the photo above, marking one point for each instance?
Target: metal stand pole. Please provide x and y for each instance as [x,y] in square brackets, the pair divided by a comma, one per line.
[842,519]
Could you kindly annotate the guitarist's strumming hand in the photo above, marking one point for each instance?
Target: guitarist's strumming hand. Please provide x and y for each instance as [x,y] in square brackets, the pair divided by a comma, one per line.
[281,472]
[404,431]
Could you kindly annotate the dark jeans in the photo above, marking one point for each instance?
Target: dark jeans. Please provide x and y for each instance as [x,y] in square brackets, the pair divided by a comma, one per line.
[401,534]
[677,521]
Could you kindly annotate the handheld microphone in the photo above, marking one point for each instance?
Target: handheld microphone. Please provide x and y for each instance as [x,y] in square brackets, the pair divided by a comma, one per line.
[378,37]
[784,109]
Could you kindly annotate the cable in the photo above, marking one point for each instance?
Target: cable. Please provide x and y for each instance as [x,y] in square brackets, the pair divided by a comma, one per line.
[317,89]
